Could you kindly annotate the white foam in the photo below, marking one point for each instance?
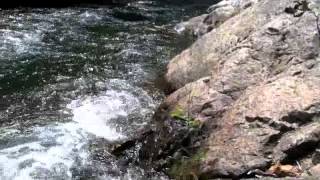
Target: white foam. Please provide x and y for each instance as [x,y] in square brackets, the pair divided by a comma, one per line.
[64,144]
[68,144]
[88,17]
[94,113]
[180,28]
[19,41]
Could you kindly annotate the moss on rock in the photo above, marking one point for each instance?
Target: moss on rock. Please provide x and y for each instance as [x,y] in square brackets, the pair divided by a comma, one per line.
[179,113]
[188,167]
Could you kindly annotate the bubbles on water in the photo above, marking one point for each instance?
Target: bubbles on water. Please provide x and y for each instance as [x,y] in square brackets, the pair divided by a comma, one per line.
[19,41]
[128,52]
[96,114]
[180,28]
[59,150]
[93,113]
[89,17]
[49,154]
[59,68]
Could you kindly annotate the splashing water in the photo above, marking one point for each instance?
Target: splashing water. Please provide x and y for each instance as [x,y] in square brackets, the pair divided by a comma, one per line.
[74,81]
[51,151]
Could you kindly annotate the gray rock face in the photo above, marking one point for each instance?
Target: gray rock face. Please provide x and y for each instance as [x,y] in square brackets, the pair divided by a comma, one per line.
[253,82]
[297,143]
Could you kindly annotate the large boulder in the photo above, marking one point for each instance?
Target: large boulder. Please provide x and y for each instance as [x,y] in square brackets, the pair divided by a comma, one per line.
[253,85]
[217,14]
[284,46]
[250,130]
[265,29]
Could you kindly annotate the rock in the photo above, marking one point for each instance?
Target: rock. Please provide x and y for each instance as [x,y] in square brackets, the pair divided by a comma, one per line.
[199,100]
[315,171]
[274,42]
[280,170]
[253,83]
[218,14]
[191,26]
[316,156]
[298,143]
[250,129]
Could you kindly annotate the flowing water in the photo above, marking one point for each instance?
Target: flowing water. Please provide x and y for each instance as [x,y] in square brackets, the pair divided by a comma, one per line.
[75,80]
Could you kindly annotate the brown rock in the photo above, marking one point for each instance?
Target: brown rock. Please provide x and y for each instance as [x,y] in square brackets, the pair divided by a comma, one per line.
[254,81]
[218,14]
[280,170]
[250,129]
[199,100]
[315,170]
[273,38]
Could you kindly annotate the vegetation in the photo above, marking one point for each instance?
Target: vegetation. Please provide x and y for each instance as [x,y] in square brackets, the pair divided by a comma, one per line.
[187,167]
[180,114]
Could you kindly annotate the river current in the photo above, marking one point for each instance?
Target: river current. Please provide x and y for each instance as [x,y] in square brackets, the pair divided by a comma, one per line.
[74,80]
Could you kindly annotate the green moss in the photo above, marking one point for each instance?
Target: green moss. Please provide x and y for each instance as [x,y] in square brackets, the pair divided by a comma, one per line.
[188,166]
[179,114]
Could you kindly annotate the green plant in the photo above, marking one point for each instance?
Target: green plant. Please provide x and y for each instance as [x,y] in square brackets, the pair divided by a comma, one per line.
[180,114]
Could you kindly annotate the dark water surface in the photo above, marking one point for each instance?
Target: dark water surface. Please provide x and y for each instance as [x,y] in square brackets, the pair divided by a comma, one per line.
[72,79]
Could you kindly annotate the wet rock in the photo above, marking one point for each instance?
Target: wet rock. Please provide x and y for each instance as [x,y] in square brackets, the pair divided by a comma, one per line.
[26,163]
[60,171]
[192,26]
[41,173]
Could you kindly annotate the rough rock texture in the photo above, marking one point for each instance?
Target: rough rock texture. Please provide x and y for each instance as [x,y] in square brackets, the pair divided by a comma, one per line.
[251,128]
[315,171]
[265,32]
[253,83]
[217,14]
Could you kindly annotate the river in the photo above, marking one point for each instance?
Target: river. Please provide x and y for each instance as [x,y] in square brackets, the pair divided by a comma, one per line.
[74,80]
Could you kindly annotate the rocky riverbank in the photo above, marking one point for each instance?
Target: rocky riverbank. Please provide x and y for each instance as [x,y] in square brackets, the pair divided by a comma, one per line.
[245,98]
